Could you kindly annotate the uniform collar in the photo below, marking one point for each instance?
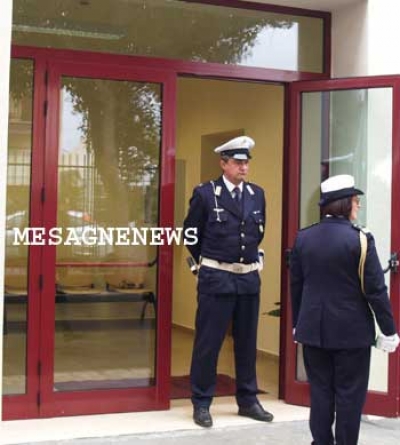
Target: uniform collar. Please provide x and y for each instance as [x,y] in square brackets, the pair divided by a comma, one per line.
[230,186]
[335,219]
[226,201]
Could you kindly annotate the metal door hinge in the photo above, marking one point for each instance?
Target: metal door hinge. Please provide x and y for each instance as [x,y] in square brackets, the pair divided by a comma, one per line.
[288,253]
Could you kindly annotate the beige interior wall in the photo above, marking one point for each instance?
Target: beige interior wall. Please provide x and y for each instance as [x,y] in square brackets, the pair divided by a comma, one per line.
[205,107]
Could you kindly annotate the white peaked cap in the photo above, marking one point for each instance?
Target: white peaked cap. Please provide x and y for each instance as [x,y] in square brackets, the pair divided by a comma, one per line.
[337,182]
[338,187]
[237,148]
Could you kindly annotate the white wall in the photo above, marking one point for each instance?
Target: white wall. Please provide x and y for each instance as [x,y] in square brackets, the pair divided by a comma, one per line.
[5,40]
[350,40]
[383,37]
[364,39]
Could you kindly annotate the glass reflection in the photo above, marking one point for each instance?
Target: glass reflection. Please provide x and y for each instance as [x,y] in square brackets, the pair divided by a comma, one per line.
[17,217]
[108,172]
[350,132]
[186,31]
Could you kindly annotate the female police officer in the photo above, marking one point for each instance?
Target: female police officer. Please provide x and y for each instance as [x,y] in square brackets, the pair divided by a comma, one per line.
[332,316]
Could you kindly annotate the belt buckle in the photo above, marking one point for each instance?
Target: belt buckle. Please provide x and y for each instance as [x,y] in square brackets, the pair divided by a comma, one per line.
[238,268]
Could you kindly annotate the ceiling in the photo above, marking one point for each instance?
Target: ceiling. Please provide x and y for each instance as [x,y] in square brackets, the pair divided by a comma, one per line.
[319,5]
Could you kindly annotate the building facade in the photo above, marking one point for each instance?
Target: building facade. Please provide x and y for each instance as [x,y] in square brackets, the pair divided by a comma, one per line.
[114,108]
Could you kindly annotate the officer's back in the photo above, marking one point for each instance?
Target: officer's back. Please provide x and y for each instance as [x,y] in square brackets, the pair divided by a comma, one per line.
[334,312]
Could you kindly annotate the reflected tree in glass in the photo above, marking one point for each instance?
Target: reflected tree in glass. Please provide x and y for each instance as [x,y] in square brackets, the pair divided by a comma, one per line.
[184,30]
[121,125]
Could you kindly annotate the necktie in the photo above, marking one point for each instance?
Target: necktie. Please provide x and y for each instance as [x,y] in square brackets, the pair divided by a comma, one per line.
[237,195]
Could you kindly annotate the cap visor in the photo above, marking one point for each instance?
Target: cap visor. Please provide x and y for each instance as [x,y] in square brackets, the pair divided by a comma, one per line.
[345,194]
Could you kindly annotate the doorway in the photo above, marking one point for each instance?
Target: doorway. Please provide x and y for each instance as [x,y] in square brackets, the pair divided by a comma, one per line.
[210,112]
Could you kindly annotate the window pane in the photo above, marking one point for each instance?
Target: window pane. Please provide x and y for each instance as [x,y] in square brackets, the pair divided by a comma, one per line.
[108,178]
[173,29]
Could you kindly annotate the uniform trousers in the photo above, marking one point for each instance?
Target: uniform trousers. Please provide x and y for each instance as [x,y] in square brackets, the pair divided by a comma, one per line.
[338,383]
[214,314]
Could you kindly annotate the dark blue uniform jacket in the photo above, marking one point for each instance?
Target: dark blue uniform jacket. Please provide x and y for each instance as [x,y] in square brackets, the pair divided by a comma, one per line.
[328,306]
[227,233]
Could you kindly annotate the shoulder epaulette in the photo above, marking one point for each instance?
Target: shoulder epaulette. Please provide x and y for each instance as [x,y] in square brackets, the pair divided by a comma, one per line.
[250,188]
[199,186]
[308,227]
[252,184]
[217,189]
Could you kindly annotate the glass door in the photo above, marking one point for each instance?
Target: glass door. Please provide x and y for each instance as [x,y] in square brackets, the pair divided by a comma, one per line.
[97,319]
[346,127]
[103,346]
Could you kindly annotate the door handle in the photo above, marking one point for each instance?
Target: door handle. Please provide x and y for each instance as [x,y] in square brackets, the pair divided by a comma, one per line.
[393,263]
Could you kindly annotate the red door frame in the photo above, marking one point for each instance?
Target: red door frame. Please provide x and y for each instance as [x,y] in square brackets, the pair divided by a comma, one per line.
[113,66]
[12,404]
[170,69]
[298,392]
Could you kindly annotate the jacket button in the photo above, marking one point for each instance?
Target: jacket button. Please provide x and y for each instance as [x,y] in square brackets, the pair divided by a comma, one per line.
[242,235]
[243,247]
[241,259]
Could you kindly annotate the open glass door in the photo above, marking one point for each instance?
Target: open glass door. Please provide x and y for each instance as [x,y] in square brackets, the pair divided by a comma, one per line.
[346,126]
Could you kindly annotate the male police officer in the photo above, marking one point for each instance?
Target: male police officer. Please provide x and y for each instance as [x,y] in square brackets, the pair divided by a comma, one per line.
[229,215]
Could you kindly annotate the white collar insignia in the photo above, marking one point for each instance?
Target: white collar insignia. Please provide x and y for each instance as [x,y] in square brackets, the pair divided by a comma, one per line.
[218,190]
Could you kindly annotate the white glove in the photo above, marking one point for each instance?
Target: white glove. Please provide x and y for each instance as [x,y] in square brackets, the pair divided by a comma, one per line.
[387,343]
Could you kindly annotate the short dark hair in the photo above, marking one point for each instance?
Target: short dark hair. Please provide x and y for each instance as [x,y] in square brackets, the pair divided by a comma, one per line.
[340,207]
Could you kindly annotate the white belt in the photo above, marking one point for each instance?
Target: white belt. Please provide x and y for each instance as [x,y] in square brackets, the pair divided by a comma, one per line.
[229,267]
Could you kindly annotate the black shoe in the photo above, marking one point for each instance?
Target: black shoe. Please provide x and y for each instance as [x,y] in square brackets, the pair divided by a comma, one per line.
[202,417]
[256,412]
